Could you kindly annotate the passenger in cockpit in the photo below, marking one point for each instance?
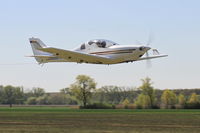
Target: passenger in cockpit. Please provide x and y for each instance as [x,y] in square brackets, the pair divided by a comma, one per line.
[101,44]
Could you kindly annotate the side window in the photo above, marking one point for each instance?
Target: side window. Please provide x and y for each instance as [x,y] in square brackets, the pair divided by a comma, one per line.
[82,46]
[90,42]
[103,44]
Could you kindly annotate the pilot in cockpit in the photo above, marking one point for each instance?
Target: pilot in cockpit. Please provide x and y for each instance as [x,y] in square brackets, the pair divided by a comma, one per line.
[99,43]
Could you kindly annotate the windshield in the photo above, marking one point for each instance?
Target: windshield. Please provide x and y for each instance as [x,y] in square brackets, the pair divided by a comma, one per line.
[101,43]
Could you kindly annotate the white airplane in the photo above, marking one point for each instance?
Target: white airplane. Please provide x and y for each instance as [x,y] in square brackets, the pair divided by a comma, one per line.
[98,51]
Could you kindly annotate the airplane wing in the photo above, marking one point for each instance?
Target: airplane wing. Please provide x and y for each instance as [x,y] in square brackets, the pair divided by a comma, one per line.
[76,56]
[152,57]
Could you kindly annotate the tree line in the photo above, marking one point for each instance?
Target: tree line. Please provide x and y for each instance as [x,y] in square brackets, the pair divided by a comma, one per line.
[84,92]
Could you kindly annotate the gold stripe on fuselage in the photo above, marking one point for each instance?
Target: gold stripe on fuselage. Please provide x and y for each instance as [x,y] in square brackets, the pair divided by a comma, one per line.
[114,52]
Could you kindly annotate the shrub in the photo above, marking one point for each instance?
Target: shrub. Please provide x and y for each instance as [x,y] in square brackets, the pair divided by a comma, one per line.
[192,106]
[130,106]
[31,100]
[119,106]
[98,106]
[155,107]
[41,100]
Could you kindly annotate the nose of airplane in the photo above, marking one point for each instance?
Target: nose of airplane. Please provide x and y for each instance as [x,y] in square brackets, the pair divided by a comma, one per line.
[147,48]
[144,48]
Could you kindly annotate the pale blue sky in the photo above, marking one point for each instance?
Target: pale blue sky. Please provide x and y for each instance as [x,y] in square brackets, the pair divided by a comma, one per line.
[175,25]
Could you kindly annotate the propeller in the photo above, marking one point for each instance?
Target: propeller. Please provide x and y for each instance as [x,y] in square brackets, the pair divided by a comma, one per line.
[148,61]
[149,41]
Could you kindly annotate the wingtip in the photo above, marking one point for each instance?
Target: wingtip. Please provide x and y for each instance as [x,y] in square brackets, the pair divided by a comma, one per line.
[165,55]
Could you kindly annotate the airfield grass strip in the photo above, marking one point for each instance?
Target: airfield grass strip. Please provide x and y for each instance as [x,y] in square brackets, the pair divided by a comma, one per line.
[61,119]
[114,125]
[65,109]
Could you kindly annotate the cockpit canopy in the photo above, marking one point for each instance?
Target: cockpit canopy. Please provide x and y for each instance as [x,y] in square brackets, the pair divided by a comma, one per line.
[100,43]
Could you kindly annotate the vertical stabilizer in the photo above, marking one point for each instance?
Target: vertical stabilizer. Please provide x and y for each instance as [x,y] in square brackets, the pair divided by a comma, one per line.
[36,45]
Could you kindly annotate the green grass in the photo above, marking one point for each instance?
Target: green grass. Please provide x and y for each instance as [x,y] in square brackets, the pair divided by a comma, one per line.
[61,119]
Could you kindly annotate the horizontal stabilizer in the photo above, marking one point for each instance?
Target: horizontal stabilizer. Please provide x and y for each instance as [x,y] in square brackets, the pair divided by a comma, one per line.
[152,57]
[42,56]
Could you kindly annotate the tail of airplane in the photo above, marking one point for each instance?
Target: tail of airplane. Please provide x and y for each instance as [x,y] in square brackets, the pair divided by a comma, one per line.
[36,43]
[39,55]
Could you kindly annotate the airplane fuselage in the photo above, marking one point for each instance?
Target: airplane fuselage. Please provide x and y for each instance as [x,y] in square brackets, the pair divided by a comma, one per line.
[98,51]
[118,53]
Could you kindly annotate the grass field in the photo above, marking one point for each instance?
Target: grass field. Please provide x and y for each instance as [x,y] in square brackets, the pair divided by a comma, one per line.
[60,119]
